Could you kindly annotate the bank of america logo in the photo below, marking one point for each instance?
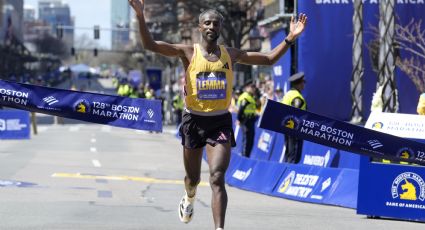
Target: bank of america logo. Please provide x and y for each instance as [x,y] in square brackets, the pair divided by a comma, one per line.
[150,113]
[375,144]
[50,100]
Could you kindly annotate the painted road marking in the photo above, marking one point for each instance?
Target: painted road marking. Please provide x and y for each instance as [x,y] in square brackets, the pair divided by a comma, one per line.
[93,149]
[96,163]
[122,178]
[93,140]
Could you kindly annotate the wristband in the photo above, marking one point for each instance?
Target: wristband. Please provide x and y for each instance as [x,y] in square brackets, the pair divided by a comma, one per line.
[289,42]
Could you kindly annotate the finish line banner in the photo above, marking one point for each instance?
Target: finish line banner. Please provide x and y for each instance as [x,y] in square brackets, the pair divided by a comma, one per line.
[341,135]
[111,110]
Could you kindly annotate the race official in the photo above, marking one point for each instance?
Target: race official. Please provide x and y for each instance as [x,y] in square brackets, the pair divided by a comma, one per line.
[247,116]
[294,145]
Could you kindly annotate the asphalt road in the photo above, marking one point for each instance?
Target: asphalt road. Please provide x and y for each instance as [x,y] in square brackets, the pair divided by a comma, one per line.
[86,176]
[83,176]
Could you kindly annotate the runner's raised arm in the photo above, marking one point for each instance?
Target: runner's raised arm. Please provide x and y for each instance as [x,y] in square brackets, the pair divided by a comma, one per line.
[160,47]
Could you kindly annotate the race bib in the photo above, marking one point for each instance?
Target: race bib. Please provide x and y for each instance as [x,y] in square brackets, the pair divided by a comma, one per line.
[211,85]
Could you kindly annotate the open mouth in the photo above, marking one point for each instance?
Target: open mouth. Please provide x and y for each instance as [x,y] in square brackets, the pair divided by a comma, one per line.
[210,33]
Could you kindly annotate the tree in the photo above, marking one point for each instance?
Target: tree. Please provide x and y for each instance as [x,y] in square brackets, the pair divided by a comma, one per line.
[411,39]
[48,44]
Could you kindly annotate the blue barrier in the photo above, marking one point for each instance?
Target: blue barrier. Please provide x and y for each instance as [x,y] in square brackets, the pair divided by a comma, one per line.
[238,138]
[348,160]
[319,185]
[313,180]
[318,155]
[240,170]
[254,175]
[263,144]
[14,124]
[278,149]
[345,189]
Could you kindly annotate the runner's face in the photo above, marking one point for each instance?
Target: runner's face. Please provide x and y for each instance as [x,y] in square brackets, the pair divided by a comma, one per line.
[210,27]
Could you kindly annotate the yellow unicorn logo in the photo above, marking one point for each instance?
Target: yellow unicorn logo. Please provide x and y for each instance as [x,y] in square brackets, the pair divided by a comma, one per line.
[377,125]
[81,108]
[405,155]
[409,191]
[290,124]
[285,186]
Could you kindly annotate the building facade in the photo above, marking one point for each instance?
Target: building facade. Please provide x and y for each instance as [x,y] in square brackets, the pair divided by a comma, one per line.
[11,20]
[120,24]
[56,13]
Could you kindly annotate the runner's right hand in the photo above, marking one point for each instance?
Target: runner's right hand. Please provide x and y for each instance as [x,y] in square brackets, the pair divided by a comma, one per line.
[138,6]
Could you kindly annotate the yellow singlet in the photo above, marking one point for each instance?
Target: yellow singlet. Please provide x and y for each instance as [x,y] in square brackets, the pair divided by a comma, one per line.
[209,84]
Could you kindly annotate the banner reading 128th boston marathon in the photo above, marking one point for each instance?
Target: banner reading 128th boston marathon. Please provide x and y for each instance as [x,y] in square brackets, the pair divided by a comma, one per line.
[97,108]
[341,135]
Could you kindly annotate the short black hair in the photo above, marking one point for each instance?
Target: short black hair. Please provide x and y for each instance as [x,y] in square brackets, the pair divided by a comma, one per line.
[211,11]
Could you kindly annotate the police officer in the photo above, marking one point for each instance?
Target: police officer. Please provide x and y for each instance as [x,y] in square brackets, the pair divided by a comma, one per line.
[246,117]
[293,145]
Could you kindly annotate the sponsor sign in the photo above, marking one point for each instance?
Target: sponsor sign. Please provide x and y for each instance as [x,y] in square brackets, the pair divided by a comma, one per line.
[317,155]
[263,144]
[399,194]
[97,108]
[341,135]
[317,185]
[14,124]
[398,124]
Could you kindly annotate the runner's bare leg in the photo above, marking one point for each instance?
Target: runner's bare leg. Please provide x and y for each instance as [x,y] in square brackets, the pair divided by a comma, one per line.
[218,161]
[192,159]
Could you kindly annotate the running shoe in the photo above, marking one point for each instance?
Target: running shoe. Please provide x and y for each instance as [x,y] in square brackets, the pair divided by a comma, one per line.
[186,208]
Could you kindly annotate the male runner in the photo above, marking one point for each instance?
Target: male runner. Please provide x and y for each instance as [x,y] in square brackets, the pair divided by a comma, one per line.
[208,91]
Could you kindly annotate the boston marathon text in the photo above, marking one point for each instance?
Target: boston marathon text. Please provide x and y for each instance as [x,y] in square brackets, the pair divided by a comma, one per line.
[17,97]
[116,111]
[328,133]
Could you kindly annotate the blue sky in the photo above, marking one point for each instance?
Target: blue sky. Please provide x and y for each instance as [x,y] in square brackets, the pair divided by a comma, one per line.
[88,13]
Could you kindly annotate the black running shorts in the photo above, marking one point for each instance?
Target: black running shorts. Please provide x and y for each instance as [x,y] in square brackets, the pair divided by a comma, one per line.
[197,131]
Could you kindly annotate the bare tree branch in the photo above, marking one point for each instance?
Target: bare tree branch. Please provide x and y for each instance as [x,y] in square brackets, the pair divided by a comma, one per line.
[411,39]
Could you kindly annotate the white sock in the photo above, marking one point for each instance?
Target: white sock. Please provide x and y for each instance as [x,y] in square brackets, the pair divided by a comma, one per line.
[220,229]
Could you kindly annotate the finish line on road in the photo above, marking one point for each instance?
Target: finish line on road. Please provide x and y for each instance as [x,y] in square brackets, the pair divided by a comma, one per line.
[121,178]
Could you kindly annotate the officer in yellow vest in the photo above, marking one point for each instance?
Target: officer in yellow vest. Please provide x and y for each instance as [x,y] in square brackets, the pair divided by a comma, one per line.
[246,117]
[294,145]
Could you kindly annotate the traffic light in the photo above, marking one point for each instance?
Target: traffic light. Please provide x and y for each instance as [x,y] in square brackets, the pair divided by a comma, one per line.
[95,52]
[72,51]
[96,32]
[289,6]
[59,31]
